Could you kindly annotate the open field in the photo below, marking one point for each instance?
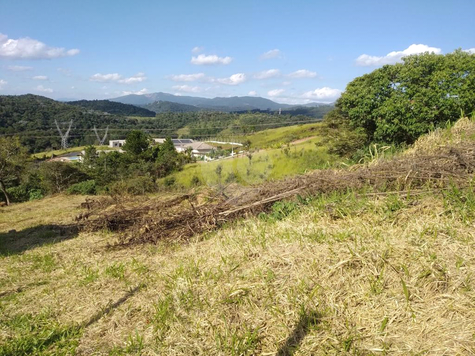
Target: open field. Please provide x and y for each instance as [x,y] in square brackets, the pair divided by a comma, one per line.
[351,271]
[49,154]
[339,274]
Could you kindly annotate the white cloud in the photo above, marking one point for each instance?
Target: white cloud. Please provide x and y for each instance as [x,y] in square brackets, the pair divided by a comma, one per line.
[98,77]
[43,89]
[323,94]
[213,59]
[2,83]
[40,77]
[137,78]
[252,93]
[187,89]
[286,83]
[28,48]
[19,68]
[197,50]
[234,79]
[395,56]
[187,77]
[273,53]
[275,92]
[117,78]
[266,74]
[302,73]
[139,92]
[470,50]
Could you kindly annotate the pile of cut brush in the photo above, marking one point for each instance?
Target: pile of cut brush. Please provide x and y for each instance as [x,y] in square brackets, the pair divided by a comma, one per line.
[180,218]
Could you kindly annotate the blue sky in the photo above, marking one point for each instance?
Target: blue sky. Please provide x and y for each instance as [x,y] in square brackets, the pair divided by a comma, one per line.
[288,51]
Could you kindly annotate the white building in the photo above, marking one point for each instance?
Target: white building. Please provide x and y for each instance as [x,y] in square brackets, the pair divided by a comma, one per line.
[116,143]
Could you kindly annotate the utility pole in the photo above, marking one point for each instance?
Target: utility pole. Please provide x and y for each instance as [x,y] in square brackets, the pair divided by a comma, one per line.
[64,138]
[101,142]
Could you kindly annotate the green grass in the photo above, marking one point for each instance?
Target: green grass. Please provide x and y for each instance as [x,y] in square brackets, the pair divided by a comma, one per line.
[283,135]
[49,154]
[265,165]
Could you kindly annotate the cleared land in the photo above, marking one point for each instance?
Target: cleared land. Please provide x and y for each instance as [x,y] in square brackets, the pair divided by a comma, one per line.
[343,272]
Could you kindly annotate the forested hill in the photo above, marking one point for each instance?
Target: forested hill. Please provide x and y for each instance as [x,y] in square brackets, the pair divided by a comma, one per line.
[112,107]
[168,106]
[33,118]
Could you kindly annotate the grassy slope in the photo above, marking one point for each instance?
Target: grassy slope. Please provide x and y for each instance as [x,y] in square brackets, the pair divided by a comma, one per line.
[268,164]
[339,273]
[48,154]
[335,274]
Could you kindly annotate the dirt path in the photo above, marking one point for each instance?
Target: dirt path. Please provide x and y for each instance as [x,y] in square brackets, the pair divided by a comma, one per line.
[293,143]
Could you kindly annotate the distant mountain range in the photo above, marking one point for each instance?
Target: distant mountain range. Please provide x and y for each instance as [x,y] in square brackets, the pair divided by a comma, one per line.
[228,104]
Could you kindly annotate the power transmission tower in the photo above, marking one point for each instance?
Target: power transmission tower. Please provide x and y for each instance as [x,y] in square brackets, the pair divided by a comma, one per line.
[101,142]
[64,138]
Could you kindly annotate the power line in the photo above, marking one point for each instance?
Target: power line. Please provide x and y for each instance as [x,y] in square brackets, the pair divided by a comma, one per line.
[169,129]
[64,137]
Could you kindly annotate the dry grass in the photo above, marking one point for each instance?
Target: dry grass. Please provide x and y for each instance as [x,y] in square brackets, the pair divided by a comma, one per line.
[340,274]
[335,273]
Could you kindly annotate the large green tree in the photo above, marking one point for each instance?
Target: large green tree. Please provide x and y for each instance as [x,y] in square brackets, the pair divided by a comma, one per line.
[398,103]
[13,159]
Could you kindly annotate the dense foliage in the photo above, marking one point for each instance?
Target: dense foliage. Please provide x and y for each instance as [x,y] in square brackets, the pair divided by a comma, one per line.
[32,118]
[113,107]
[135,171]
[168,106]
[398,103]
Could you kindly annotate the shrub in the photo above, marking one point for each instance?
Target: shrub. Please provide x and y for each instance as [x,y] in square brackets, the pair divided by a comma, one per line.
[169,181]
[87,187]
[36,194]
[18,194]
[195,181]
[134,186]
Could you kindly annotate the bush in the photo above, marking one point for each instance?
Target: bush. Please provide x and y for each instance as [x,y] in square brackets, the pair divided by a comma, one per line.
[195,181]
[134,186]
[169,181]
[87,187]
[18,194]
[36,194]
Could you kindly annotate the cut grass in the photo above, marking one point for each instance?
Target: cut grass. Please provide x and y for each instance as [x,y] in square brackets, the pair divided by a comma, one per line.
[333,274]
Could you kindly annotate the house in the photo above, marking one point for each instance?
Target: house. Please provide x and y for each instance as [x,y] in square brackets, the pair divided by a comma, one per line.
[116,143]
[198,148]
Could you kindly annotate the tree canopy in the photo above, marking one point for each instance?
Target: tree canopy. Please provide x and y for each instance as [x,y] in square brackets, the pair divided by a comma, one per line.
[398,103]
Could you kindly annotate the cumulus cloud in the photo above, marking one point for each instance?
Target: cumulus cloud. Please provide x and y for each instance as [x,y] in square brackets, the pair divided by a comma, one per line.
[139,92]
[197,49]
[273,53]
[266,74]
[470,50]
[187,77]
[252,93]
[275,92]
[212,59]
[117,78]
[28,48]
[137,78]
[366,60]
[302,73]
[2,83]
[322,94]
[187,88]
[234,79]
[40,77]
[43,89]
[19,68]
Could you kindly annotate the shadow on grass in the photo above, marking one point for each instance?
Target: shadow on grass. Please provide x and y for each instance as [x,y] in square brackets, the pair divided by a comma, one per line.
[14,242]
[306,322]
